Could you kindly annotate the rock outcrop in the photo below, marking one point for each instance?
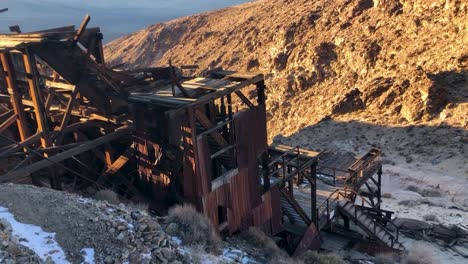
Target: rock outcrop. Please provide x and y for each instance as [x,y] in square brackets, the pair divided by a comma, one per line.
[395,52]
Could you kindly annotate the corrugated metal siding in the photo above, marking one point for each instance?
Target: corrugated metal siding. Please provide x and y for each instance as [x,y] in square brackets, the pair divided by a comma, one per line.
[204,166]
[245,125]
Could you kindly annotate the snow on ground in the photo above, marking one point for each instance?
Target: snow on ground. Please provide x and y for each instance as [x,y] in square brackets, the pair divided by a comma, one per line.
[33,237]
[88,254]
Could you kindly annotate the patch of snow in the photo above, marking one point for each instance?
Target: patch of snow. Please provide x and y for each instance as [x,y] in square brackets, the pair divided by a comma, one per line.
[83,200]
[177,240]
[33,237]
[146,256]
[88,254]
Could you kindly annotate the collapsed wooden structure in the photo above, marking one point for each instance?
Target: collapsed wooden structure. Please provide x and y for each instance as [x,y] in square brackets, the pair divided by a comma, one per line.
[69,122]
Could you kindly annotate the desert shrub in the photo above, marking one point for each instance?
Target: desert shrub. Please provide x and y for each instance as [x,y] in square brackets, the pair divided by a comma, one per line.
[313,257]
[419,255]
[426,192]
[409,203]
[193,227]
[432,192]
[387,195]
[431,217]
[257,238]
[386,258]
[107,195]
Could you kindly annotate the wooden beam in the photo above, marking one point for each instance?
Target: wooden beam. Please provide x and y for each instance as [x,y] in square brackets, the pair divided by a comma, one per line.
[15,95]
[66,116]
[82,28]
[7,123]
[5,152]
[39,110]
[46,162]
[245,99]
[206,123]
[120,161]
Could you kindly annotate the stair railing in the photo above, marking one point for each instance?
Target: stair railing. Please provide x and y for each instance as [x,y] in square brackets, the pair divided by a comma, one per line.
[350,196]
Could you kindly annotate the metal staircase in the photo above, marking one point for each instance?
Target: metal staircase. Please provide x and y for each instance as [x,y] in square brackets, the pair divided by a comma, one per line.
[369,225]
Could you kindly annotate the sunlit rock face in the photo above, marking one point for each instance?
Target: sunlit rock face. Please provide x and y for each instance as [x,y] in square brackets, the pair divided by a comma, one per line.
[407,59]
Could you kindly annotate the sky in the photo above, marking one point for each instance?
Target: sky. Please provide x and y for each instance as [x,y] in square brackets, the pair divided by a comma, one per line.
[115,17]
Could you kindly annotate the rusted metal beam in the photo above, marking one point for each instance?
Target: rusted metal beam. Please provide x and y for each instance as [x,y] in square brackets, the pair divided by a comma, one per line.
[26,171]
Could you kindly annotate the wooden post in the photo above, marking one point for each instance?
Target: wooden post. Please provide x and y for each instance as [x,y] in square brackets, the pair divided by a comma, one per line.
[39,110]
[261,98]
[379,187]
[266,171]
[15,95]
[313,193]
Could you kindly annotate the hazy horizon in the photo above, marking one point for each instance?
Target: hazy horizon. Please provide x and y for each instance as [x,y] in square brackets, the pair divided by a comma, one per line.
[114,17]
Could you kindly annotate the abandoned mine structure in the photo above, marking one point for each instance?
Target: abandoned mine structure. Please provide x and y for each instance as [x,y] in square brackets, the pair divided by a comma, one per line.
[70,122]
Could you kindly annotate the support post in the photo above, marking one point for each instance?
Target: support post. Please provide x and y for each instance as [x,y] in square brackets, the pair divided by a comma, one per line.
[261,98]
[313,193]
[15,95]
[379,187]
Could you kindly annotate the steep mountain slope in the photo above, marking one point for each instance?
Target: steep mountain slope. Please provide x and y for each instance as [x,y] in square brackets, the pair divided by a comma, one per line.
[390,62]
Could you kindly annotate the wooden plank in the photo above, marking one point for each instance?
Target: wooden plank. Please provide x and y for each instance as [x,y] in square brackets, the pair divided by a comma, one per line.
[212,96]
[26,171]
[82,28]
[60,85]
[120,161]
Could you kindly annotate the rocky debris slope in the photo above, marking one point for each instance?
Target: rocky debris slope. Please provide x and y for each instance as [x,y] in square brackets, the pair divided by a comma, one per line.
[11,251]
[114,233]
[391,62]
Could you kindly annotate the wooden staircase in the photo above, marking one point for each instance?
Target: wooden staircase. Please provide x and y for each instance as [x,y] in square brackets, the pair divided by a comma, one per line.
[370,226]
[293,210]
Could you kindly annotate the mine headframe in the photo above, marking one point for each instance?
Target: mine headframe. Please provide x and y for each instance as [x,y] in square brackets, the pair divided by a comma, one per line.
[63,112]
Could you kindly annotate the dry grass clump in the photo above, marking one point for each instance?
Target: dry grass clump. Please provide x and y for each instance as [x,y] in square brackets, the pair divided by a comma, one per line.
[409,203]
[142,206]
[419,255]
[426,192]
[193,227]
[431,217]
[387,195]
[257,238]
[107,195]
[313,257]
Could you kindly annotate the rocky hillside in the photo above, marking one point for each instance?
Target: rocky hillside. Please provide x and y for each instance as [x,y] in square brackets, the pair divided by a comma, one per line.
[392,62]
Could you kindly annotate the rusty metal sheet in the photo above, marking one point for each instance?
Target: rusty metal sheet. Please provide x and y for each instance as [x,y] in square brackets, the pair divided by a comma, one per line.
[310,240]
[240,202]
[276,213]
[245,123]
[204,166]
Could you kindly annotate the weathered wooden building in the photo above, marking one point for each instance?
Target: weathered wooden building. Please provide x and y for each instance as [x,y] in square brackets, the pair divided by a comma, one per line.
[70,122]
